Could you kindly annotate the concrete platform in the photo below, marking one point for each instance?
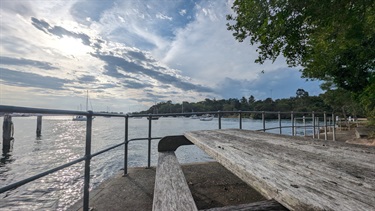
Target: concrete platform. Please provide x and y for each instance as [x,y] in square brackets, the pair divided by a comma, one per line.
[211,184]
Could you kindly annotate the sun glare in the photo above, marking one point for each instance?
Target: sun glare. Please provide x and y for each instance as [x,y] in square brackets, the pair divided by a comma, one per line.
[72,46]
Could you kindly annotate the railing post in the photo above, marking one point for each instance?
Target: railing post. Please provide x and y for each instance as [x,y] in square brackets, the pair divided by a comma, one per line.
[219,113]
[313,122]
[333,127]
[126,145]
[8,132]
[304,125]
[318,125]
[292,121]
[240,119]
[86,186]
[279,117]
[149,141]
[325,126]
[39,126]
[263,122]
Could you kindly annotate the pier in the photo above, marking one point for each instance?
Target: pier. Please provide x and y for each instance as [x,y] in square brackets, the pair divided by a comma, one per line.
[258,160]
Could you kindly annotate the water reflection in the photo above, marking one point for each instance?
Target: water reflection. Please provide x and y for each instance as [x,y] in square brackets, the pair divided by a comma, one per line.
[6,158]
[37,144]
[8,148]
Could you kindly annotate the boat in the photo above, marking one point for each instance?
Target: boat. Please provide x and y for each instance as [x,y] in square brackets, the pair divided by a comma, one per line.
[194,117]
[82,117]
[206,117]
[79,118]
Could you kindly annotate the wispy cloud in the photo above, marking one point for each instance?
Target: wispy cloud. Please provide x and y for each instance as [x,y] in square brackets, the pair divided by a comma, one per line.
[118,67]
[59,31]
[24,79]
[26,62]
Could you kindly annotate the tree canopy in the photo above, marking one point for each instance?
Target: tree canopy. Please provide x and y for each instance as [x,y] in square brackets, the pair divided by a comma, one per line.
[331,40]
[302,102]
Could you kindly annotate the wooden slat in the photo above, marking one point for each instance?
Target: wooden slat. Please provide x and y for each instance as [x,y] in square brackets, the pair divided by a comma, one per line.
[269,205]
[171,189]
[299,173]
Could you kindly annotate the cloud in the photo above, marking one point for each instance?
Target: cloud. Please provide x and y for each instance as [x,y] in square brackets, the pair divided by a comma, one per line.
[26,62]
[207,51]
[145,25]
[182,12]
[163,17]
[15,7]
[87,79]
[85,11]
[134,84]
[282,85]
[59,31]
[139,55]
[24,79]
[116,64]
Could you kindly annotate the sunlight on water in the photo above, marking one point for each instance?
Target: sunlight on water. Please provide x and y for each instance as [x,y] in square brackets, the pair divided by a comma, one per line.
[64,140]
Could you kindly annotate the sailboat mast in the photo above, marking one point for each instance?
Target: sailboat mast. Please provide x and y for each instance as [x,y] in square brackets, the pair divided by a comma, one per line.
[87,100]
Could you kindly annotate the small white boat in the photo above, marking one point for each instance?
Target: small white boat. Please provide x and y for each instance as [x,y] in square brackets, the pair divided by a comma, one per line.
[194,117]
[206,117]
[79,118]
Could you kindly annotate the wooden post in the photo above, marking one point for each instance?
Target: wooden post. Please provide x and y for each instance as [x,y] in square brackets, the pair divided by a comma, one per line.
[219,118]
[333,127]
[292,122]
[240,119]
[8,132]
[264,121]
[313,123]
[279,117]
[325,126]
[39,126]
[317,121]
[304,125]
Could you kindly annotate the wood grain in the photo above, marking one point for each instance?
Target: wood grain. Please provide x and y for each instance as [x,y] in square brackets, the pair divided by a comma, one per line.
[269,205]
[171,189]
[300,173]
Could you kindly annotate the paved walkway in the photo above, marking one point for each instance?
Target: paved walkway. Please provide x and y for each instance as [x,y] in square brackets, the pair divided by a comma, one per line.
[210,183]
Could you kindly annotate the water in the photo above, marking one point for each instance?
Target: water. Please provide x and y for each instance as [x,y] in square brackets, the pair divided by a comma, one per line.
[63,140]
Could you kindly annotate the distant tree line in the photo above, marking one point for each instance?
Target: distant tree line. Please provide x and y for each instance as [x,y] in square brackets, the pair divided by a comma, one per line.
[340,103]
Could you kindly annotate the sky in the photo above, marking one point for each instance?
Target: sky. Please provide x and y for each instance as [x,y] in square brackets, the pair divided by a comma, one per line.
[130,54]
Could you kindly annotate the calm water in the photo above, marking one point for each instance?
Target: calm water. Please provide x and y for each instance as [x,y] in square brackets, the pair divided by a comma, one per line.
[64,140]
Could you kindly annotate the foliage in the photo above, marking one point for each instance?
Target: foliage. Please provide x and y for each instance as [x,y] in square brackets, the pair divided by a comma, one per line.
[367,99]
[302,102]
[343,101]
[331,40]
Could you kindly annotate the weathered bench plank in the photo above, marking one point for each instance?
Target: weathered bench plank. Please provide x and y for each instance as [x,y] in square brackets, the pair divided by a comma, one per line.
[269,205]
[299,173]
[171,189]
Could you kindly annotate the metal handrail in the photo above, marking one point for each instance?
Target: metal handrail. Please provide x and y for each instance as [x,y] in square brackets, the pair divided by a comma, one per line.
[89,114]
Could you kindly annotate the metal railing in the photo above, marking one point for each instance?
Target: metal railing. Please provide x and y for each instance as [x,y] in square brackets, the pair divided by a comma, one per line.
[89,114]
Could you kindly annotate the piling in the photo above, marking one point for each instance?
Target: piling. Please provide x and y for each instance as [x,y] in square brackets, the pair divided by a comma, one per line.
[39,126]
[264,121]
[8,132]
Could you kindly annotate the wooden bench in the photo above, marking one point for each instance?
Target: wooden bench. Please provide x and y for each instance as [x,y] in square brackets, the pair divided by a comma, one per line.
[300,173]
[171,189]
